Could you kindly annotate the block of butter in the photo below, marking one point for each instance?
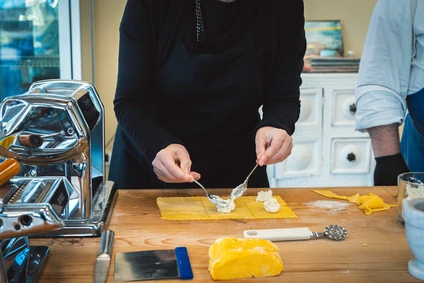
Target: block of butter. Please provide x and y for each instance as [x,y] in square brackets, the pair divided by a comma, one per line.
[234,258]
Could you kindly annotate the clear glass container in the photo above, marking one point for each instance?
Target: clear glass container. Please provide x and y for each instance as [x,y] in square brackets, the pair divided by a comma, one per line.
[410,186]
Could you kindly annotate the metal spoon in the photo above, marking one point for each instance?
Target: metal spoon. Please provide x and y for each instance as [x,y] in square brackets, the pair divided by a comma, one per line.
[216,200]
[241,189]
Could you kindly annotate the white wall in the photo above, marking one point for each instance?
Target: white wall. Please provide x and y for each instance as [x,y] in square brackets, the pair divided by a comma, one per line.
[107,16]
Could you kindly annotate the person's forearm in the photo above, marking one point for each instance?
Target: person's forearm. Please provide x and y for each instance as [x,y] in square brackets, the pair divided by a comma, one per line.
[385,140]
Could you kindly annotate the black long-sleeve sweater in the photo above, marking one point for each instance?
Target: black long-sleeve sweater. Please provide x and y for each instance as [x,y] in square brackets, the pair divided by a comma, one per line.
[163,97]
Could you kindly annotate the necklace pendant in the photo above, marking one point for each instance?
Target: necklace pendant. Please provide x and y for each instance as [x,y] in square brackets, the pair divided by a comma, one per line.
[200,30]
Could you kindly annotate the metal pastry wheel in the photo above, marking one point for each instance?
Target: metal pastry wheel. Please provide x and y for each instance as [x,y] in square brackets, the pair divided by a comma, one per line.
[335,232]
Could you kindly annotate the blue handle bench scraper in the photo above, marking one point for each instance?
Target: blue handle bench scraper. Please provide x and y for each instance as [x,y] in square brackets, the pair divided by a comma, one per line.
[152,265]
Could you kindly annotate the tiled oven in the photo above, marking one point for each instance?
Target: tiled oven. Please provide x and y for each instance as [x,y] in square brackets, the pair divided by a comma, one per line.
[327,152]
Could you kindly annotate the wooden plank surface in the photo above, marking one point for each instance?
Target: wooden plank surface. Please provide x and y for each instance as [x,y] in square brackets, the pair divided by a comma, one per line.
[376,249]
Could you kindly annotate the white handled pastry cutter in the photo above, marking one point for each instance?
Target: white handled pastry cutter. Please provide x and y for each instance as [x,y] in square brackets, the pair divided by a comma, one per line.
[332,232]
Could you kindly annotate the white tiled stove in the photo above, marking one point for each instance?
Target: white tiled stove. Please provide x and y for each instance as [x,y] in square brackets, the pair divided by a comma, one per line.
[327,151]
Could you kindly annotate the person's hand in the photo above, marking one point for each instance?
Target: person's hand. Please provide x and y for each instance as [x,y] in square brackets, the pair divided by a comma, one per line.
[273,145]
[388,168]
[173,165]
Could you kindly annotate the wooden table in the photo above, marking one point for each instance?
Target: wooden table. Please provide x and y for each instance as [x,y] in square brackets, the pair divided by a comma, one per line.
[376,249]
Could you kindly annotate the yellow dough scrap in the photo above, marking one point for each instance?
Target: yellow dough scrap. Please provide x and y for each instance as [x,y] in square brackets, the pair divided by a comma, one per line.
[329,194]
[235,258]
[368,203]
[354,198]
[371,203]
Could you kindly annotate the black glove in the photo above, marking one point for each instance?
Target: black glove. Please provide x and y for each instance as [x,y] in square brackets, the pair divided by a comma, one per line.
[388,169]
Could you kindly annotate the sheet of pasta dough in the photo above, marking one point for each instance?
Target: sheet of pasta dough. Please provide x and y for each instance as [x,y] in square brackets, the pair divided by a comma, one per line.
[199,208]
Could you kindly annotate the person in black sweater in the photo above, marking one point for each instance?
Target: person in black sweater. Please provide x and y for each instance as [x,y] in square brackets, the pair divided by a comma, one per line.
[192,75]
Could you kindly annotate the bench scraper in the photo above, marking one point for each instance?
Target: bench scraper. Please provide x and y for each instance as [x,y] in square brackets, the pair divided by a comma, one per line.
[152,265]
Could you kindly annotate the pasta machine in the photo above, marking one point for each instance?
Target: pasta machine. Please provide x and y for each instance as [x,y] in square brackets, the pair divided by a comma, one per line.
[55,131]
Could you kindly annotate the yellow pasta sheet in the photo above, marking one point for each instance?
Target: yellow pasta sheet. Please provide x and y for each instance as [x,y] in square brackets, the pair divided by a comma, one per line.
[199,208]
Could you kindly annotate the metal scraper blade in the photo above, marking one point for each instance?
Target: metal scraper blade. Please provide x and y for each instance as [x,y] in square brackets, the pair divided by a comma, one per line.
[150,265]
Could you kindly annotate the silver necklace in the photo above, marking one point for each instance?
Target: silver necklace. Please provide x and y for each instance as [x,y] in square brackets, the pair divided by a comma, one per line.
[199,21]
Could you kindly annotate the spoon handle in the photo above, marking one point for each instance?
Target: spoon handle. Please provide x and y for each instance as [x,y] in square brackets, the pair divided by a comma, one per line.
[251,172]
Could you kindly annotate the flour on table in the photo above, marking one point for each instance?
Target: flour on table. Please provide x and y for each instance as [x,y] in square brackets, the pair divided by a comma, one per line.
[329,205]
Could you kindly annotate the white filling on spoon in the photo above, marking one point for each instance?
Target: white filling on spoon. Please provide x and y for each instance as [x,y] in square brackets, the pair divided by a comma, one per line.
[230,205]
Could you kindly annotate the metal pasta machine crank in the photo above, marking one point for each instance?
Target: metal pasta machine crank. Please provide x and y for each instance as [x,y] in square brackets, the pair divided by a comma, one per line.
[55,131]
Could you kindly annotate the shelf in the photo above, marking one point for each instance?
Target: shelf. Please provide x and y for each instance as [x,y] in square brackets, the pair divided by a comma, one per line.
[36,62]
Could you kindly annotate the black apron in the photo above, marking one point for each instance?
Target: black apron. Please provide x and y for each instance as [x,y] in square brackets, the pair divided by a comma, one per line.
[223,157]
[412,144]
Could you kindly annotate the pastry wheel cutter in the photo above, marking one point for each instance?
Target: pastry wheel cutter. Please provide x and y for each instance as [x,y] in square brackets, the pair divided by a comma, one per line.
[333,232]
